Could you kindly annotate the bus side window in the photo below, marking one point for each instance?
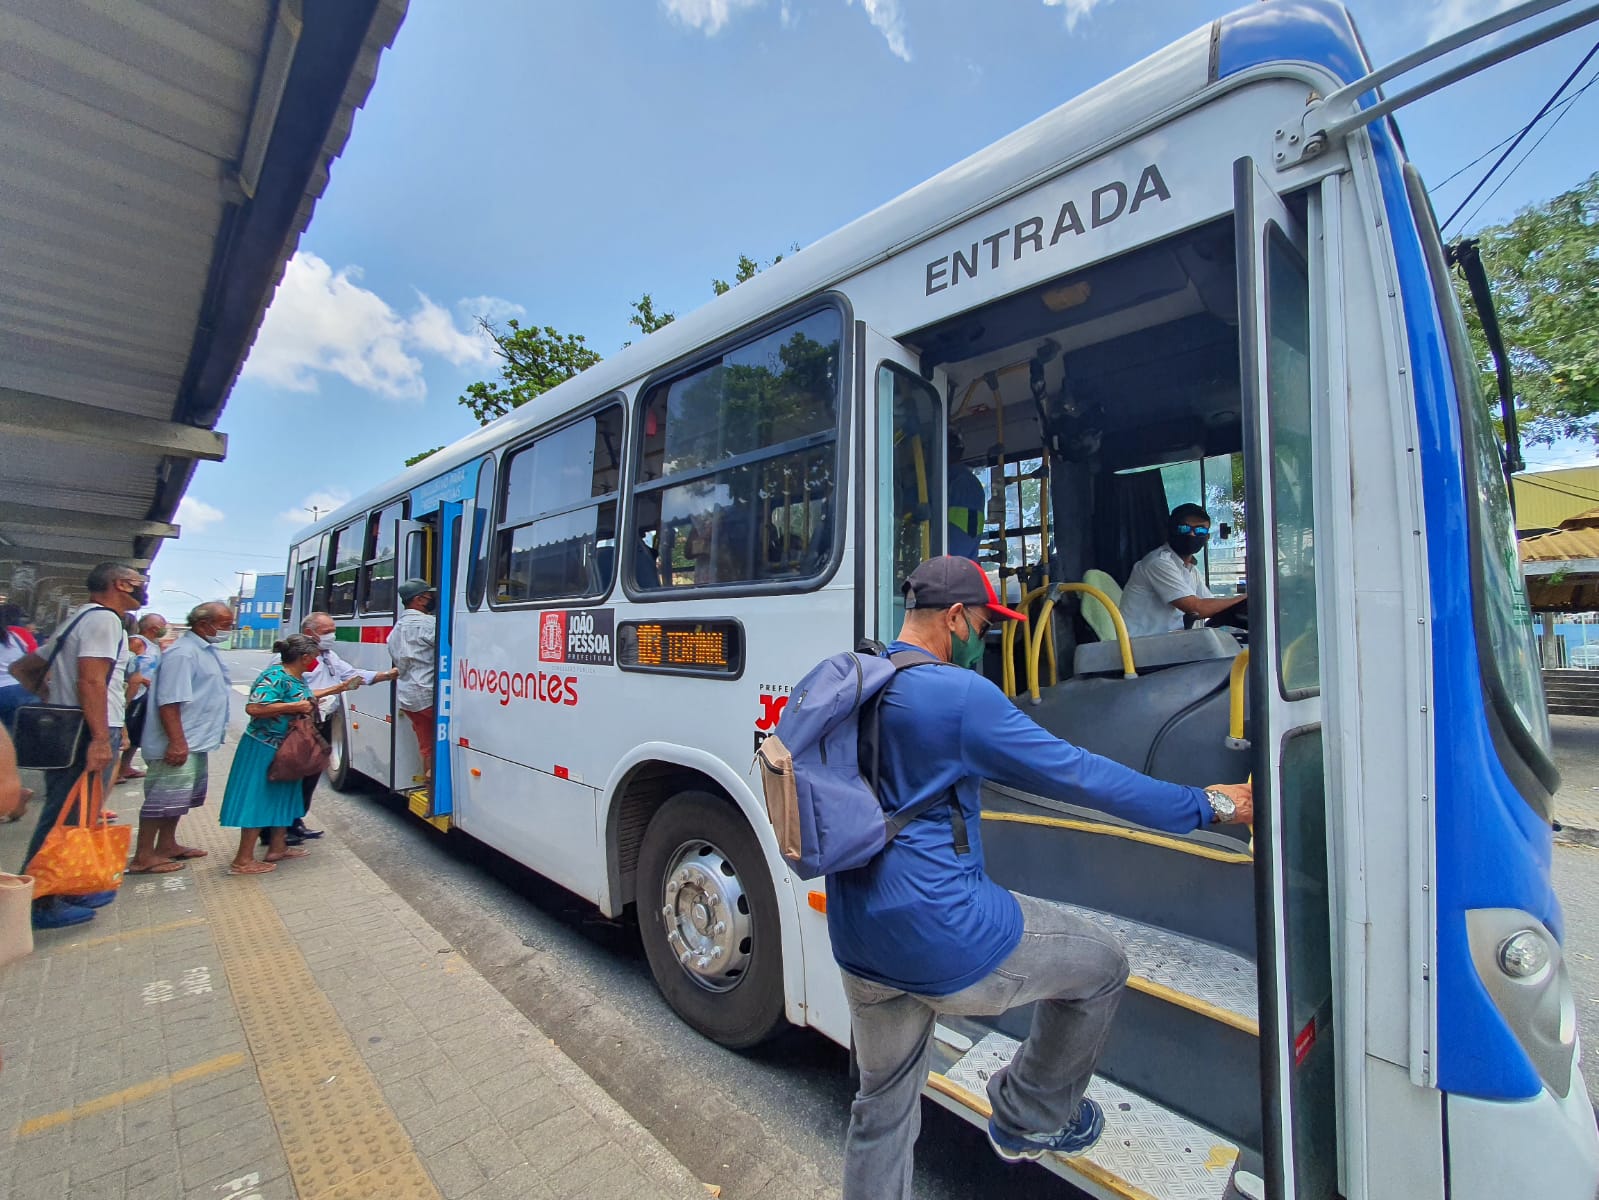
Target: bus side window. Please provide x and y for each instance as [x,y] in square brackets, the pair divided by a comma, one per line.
[736,481]
[344,569]
[377,573]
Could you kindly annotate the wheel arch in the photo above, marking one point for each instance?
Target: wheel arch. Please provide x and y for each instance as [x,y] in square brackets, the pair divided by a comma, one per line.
[646,779]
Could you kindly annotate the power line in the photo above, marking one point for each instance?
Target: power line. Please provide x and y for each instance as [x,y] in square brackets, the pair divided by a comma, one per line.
[1523,159]
[1525,129]
[1562,106]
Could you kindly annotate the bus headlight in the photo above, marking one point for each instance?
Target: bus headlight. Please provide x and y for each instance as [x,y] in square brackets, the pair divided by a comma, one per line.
[1521,965]
[1523,955]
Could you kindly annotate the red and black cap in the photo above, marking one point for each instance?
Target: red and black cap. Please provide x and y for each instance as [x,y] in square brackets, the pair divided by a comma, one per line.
[950,579]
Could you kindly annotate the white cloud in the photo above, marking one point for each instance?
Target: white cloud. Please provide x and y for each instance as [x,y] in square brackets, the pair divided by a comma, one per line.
[1450,16]
[1076,10]
[709,15]
[890,22]
[323,321]
[196,516]
[493,309]
[323,501]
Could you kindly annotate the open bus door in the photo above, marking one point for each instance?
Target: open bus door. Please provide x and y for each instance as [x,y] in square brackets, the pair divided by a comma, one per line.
[904,517]
[428,550]
[1280,361]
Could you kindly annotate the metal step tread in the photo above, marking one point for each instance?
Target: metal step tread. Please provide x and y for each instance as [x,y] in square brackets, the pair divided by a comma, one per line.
[1147,1152]
[1209,979]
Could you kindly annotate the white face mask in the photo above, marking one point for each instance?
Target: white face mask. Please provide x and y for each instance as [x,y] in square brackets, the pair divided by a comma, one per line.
[213,638]
[327,641]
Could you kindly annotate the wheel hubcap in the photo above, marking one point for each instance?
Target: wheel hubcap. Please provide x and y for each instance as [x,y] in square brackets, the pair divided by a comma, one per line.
[707,916]
[336,749]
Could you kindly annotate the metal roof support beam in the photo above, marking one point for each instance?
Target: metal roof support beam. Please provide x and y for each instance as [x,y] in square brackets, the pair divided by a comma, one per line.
[65,558]
[66,420]
[39,519]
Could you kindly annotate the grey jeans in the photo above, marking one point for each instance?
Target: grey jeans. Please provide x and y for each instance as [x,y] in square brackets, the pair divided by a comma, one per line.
[1074,969]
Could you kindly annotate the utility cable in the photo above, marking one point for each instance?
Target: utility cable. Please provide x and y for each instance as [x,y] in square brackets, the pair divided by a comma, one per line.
[1527,128]
[1519,163]
[1562,106]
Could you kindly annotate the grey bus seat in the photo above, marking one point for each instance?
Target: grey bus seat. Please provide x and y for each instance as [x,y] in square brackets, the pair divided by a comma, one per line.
[1171,724]
[1158,650]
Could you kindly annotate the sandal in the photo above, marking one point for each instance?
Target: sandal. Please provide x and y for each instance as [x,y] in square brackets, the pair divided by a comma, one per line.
[162,868]
[252,868]
[188,852]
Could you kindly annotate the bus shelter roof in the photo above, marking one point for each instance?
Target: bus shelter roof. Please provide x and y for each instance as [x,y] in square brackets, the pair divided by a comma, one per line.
[162,160]
[1562,566]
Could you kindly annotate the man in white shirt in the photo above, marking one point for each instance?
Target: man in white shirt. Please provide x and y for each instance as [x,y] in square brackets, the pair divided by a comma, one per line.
[330,671]
[413,648]
[187,718]
[77,667]
[1166,585]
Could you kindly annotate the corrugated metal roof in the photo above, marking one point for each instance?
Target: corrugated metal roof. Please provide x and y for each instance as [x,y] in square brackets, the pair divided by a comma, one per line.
[136,257]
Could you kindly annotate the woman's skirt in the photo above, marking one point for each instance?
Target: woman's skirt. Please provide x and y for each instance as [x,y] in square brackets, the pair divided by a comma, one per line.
[250,800]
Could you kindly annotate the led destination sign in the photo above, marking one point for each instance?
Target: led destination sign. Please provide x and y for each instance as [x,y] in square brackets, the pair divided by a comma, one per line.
[713,648]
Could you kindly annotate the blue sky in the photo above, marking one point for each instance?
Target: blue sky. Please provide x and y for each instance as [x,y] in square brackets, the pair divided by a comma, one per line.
[555,160]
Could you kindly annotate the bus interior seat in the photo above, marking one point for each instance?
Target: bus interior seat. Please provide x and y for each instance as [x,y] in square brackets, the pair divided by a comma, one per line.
[1158,652]
[1095,613]
[1171,723]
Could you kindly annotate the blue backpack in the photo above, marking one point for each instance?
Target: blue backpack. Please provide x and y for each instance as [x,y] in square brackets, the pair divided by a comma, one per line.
[820,776]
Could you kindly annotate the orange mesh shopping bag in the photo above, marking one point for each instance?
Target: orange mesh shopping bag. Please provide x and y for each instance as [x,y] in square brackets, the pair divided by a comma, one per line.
[87,857]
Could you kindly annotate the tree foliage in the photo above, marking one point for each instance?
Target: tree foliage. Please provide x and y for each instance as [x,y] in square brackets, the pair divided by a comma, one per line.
[1543,268]
[535,358]
[416,458]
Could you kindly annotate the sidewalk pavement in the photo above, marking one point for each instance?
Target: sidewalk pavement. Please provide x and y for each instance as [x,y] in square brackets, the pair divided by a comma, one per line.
[1576,752]
[303,1033]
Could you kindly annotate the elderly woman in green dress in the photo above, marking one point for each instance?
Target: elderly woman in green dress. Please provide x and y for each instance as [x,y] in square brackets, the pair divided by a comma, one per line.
[253,803]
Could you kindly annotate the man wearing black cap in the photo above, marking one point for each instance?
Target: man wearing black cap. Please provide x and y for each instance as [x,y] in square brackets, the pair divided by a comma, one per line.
[921,929]
[413,649]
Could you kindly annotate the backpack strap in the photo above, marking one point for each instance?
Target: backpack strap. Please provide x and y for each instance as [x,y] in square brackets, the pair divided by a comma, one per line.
[901,660]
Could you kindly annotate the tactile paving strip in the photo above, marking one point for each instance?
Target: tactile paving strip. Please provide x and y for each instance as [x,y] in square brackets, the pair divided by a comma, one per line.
[339,1135]
[1220,978]
[1145,1150]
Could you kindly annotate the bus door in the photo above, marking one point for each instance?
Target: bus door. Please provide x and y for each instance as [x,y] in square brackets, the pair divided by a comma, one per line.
[428,550]
[902,416]
[1281,360]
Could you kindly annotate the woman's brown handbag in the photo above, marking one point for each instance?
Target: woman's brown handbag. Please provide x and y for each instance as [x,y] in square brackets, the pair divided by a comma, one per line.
[304,752]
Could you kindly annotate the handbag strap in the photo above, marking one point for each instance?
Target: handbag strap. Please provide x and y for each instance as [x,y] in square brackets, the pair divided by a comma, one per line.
[61,639]
[86,798]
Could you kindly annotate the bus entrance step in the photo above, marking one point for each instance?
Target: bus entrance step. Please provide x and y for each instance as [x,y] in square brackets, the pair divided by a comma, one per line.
[1146,1150]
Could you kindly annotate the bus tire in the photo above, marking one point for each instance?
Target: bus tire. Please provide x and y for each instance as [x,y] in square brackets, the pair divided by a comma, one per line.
[339,772]
[707,914]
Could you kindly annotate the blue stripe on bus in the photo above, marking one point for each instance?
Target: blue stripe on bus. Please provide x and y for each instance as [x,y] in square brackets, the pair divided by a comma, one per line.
[1493,851]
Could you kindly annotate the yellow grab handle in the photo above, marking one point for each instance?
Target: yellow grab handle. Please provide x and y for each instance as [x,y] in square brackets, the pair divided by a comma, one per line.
[1123,642]
[919,460]
[1007,639]
[1235,701]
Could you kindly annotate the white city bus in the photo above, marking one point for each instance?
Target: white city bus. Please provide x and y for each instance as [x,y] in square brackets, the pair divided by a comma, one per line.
[1212,278]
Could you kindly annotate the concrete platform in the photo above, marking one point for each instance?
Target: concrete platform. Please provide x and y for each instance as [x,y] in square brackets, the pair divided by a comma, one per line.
[303,1033]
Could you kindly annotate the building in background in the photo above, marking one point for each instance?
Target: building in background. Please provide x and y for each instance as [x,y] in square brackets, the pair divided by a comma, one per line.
[259,613]
[1546,499]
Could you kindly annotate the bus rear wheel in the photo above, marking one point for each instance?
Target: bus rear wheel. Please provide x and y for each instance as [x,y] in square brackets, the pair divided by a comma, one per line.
[707,914]
[338,753]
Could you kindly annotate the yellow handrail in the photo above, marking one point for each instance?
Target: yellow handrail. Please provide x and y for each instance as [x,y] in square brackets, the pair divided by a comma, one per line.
[1007,640]
[1235,701]
[1123,642]
[919,460]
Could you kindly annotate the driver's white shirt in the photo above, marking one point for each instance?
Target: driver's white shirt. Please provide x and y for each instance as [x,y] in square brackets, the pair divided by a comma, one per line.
[1157,579]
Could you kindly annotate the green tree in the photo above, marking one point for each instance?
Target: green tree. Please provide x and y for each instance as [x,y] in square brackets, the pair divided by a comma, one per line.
[533,359]
[416,458]
[645,316]
[1543,268]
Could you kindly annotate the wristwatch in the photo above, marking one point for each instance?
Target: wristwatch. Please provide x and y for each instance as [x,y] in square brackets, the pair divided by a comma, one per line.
[1222,808]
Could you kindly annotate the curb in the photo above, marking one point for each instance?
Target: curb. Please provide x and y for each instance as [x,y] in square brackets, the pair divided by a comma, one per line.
[1573,835]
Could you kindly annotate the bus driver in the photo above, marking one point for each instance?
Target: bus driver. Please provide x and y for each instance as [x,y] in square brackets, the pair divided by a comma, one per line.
[922,929]
[1165,585]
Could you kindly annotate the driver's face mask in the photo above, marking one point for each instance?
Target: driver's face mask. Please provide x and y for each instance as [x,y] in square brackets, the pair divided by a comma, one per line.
[1188,540]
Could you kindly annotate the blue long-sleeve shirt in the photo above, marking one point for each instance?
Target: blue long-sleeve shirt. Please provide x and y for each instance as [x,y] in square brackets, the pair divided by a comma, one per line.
[920,917]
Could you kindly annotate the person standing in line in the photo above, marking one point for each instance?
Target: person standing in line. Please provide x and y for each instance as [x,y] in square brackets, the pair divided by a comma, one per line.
[82,667]
[252,803]
[413,649]
[141,673]
[922,929]
[190,698]
[331,677]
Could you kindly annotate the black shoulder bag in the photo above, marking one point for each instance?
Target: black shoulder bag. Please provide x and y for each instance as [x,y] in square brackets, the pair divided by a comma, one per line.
[49,736]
